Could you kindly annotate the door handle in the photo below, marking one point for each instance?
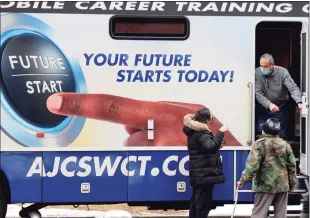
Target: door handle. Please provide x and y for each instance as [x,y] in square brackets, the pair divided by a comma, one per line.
[305,106]
[250,86]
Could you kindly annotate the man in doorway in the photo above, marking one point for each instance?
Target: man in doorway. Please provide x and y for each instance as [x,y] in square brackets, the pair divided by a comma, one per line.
[272,86]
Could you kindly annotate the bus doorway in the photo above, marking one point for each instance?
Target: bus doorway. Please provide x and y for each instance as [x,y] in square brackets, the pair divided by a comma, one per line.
[282,41]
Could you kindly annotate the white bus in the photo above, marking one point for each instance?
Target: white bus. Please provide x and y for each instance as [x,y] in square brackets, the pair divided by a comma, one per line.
[93,96]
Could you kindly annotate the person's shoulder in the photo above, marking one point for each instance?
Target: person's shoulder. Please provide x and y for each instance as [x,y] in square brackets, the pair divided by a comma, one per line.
[257,70]
[260,139]
[286,143]
[259,142]
[281,70]
[283,142]
[204,133]
[258,73]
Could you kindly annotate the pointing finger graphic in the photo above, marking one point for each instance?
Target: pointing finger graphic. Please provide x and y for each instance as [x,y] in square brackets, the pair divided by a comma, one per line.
[133,114]
[103,107]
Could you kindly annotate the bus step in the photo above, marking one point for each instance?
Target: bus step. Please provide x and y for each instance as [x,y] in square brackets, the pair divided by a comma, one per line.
[301,177]
[298,191]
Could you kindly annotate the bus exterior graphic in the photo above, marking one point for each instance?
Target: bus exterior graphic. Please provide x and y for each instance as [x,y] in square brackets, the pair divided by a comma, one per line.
[93,95]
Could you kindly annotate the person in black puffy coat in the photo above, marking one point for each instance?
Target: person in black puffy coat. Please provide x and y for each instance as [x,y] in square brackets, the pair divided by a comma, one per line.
[205,162]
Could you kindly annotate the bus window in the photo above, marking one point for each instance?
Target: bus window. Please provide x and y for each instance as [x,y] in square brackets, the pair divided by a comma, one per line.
[158,28]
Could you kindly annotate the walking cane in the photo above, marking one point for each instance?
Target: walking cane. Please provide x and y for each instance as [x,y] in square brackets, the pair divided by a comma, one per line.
[236,201]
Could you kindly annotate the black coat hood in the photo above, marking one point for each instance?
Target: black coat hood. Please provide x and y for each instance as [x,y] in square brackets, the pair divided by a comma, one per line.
[191,126]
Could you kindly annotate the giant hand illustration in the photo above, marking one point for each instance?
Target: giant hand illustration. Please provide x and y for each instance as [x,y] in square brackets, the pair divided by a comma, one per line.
[133,114]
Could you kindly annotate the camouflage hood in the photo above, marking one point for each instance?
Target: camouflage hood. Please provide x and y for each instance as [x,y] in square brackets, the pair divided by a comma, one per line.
[275,146]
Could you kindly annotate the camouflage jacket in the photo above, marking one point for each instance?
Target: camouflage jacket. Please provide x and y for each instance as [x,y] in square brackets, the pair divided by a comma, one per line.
[271,164]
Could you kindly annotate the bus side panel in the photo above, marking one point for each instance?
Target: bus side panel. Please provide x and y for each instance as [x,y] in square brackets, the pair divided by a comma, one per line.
[225,191]
[158,181]
[67,171]
[245,194]
[16,165]
[167,170]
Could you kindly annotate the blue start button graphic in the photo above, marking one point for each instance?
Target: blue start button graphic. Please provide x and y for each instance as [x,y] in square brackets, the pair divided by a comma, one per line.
[33,68]
[36,62]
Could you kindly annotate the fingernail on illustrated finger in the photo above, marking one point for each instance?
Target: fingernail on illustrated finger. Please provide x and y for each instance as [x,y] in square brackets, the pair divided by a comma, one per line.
[54,102]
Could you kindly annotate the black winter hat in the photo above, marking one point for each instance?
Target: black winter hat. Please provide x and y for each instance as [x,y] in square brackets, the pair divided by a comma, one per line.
[203,115]
[272,126]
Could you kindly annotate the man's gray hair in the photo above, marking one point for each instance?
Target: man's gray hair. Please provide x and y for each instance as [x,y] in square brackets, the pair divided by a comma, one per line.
[269,57]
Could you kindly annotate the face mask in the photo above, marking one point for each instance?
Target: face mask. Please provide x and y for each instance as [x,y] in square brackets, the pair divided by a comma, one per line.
[265,71]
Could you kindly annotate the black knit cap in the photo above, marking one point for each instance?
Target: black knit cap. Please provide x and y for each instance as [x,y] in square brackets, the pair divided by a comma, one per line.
[272,126]
[203,115]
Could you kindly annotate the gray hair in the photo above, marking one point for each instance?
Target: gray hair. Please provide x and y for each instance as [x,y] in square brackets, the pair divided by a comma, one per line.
[269,57]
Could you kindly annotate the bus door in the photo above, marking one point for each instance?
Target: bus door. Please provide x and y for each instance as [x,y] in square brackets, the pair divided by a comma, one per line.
[304,119]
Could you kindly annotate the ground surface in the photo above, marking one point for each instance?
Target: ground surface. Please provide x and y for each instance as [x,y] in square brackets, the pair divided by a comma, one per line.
[102,211]
[132,210]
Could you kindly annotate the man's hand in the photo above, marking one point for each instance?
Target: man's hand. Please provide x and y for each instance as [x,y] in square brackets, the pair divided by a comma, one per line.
[300,106]
[239,185]
[222,145]
[224,129]
[273,108]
